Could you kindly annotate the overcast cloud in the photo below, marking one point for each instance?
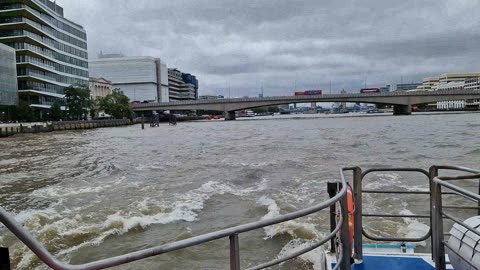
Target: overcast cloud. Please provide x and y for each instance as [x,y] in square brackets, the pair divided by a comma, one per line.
[243,44]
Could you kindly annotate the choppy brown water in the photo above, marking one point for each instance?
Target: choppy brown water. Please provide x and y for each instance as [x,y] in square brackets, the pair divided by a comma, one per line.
[93,194]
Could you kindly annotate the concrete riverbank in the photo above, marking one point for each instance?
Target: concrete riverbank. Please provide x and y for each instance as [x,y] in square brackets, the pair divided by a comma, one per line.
[7,130]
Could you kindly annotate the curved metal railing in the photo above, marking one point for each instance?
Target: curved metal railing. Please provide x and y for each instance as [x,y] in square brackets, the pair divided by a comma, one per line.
[232,233]
[439,214]
[384,215]
[359,230]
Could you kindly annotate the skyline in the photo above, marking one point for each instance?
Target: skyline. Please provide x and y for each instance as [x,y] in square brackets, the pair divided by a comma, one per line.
[238,45]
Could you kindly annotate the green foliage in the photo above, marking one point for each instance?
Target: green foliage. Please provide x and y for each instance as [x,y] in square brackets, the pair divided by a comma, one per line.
[93,108]
[274,109]
[78,101]
[8,113]
[116,105]
[24,112]
[259,110]
[56,111]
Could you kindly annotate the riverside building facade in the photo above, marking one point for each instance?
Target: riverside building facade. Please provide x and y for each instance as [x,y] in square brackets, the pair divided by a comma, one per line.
[454,82]
[182,86]
[51,51]
[99,88]
[141,79]
[8,76]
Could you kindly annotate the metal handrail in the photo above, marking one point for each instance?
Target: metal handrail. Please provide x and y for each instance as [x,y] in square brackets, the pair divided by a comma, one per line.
[438,214]
[457,168]
[233,232]
[392,239]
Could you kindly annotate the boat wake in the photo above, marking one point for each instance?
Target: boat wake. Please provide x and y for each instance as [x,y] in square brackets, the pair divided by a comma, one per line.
[64,230]
[303,235]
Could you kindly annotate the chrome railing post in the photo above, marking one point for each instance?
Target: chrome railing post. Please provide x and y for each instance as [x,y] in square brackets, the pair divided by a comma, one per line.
[4,259]
[234,252]
[358,221]
[332,189]
[344,236]
[433,172]
[437,234]
[478,201]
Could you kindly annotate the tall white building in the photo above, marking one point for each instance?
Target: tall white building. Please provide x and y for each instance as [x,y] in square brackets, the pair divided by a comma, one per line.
[142,79]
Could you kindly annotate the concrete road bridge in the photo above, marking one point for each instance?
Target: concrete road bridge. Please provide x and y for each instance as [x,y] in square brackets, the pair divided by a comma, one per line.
[402,101]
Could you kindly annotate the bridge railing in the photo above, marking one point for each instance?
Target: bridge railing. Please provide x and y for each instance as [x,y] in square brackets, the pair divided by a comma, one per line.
[231,233]
[300,98]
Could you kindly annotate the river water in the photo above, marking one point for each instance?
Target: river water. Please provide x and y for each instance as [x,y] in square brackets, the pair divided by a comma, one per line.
[93,194]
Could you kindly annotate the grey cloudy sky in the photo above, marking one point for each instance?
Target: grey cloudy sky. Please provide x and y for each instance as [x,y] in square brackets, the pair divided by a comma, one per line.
[246,43]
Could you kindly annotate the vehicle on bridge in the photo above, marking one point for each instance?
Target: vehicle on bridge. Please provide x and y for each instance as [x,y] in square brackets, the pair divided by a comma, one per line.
[309,93]
[370,90]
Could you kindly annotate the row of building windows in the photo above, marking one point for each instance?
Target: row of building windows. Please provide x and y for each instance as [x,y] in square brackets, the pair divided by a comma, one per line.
[49,53]
[40,86]
[449,105]
[50,76]
[44,100]
[47,29]
[60,25]
[52,65]
[45,40]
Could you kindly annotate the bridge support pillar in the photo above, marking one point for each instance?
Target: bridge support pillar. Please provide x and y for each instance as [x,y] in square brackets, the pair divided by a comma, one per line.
[229,116]
[402,110]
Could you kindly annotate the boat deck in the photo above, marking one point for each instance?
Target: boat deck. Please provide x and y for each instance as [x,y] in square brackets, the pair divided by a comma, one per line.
[395,262]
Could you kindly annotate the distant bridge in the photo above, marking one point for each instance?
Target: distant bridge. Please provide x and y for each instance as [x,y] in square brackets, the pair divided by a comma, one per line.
[402,101]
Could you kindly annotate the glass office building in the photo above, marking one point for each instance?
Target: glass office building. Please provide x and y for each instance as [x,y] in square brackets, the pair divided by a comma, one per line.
[51,51]
[8,76]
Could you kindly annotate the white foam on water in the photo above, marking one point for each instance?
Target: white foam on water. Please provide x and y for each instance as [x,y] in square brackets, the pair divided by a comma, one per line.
[124,224]
[292,227]
[54,229]
[26,260]
[383,180]
[414,228]
[416,188]
[59,192]
[315,257]
[259,164]
[34,219]
[146,167]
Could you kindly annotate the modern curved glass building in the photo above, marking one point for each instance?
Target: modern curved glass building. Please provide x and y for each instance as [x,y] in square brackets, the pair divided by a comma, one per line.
[51,51]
